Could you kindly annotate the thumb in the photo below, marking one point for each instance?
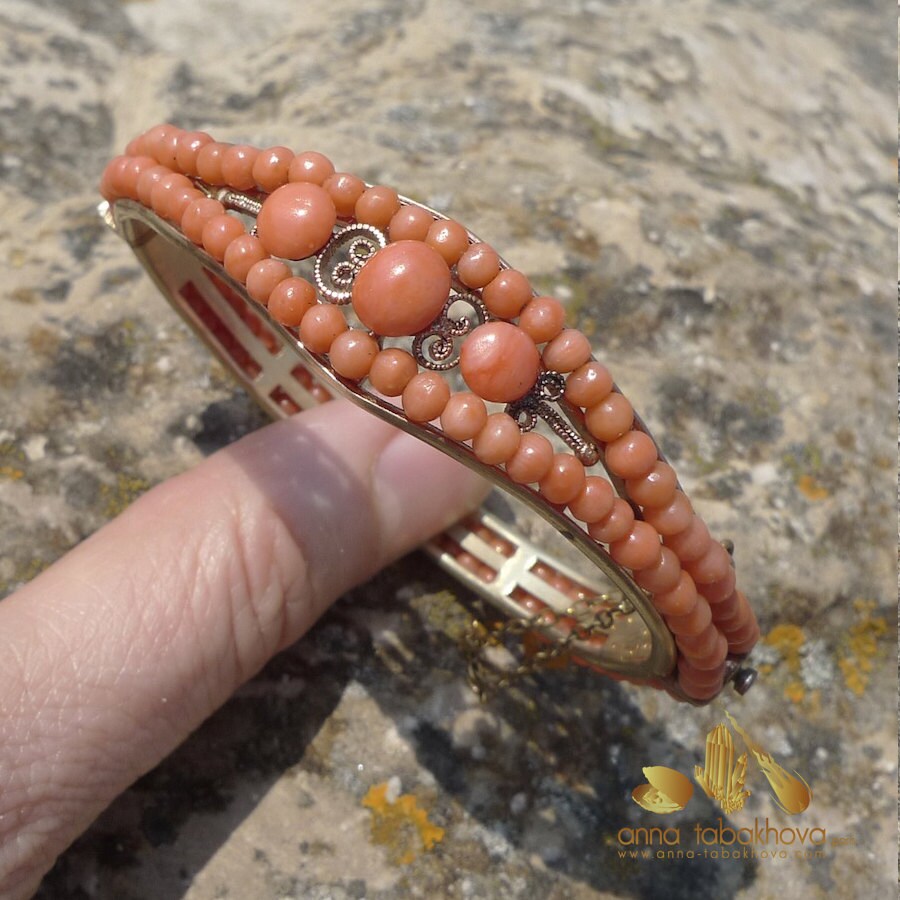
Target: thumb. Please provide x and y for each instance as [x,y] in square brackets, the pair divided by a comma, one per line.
[112,656]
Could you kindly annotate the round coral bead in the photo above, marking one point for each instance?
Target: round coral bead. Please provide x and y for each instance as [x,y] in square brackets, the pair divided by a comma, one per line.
[498,441]
[242,254]
[310,167]
[610,418]
[464,416]
[588,385]
[425,397]
[401,289]
[567,351]
[631,455]
[219,232]
[290,300]
[593,501]
[656,488]
[532,460]
[639,549]
[197,214]
[320,326]
[672,518]
[392,371]
[499,362]
[296,221]
[377,205]
[209,162]
[507,294]
[264,276]
[345,189]
[449,238]
[410,223]
[614,525]
[542,319]
[564,481]
[478,265]
[237,166]
[352,353]
[271,167]
[661,576]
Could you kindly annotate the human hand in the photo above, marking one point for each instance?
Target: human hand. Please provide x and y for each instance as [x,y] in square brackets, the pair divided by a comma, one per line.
[112,656]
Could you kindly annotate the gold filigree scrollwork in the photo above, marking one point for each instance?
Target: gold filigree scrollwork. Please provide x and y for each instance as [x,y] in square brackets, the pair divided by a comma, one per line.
[339,262]
[549,388]
[435,347]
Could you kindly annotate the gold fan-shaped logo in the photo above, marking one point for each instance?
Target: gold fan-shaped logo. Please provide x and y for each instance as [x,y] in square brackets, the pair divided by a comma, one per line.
[722,777]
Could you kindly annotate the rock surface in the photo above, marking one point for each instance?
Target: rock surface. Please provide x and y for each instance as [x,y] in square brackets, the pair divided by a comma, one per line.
[708,186]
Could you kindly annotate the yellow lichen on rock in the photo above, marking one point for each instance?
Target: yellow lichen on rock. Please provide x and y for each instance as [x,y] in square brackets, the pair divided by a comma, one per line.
[401,825]
[856,658]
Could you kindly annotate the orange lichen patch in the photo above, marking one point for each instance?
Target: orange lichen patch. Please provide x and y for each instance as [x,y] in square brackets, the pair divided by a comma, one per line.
[811,488]
[787,640]
[856,660]
[401,826]
[11,472]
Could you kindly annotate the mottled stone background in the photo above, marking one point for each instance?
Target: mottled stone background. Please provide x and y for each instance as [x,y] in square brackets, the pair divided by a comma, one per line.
[709,186]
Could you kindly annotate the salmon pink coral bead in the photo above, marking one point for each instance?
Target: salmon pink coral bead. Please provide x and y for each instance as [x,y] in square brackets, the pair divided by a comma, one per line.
[631,455]
[401,289]
[532,460]
[662,576]
[188,148]
[593,501]
[610,418]
[639,549]
[209,162]
[464,416]
[671,519]
[127,177]
[264,276]
[310,167]
[507,294]
[499,362]
[410,223]
[449,238]
[745,644]
[344,189]
[713,566]
[271,167]
[724,612]
[720,590]
[614,525]
[112,179]
[391,371]
[352,353]
[692,542]
[542,319]
[498,441]
[588,385]
[148,180]
[425,397]
[478,265]
[564,481]
[237,166]
[320,326]
[241,254]
[680,600]
[219,232]
[296,221]
[656,488]
[690,674]
[168,196]
[705,650]
[567,351]
[694,622]
[377,206]
[197,214]
[161,142]
[700,644]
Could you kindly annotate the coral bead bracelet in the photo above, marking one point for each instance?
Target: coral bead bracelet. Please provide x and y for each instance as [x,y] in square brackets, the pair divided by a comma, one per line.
[309,282]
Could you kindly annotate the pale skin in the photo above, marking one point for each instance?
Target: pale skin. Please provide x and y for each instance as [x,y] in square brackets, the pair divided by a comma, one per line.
[113,655]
